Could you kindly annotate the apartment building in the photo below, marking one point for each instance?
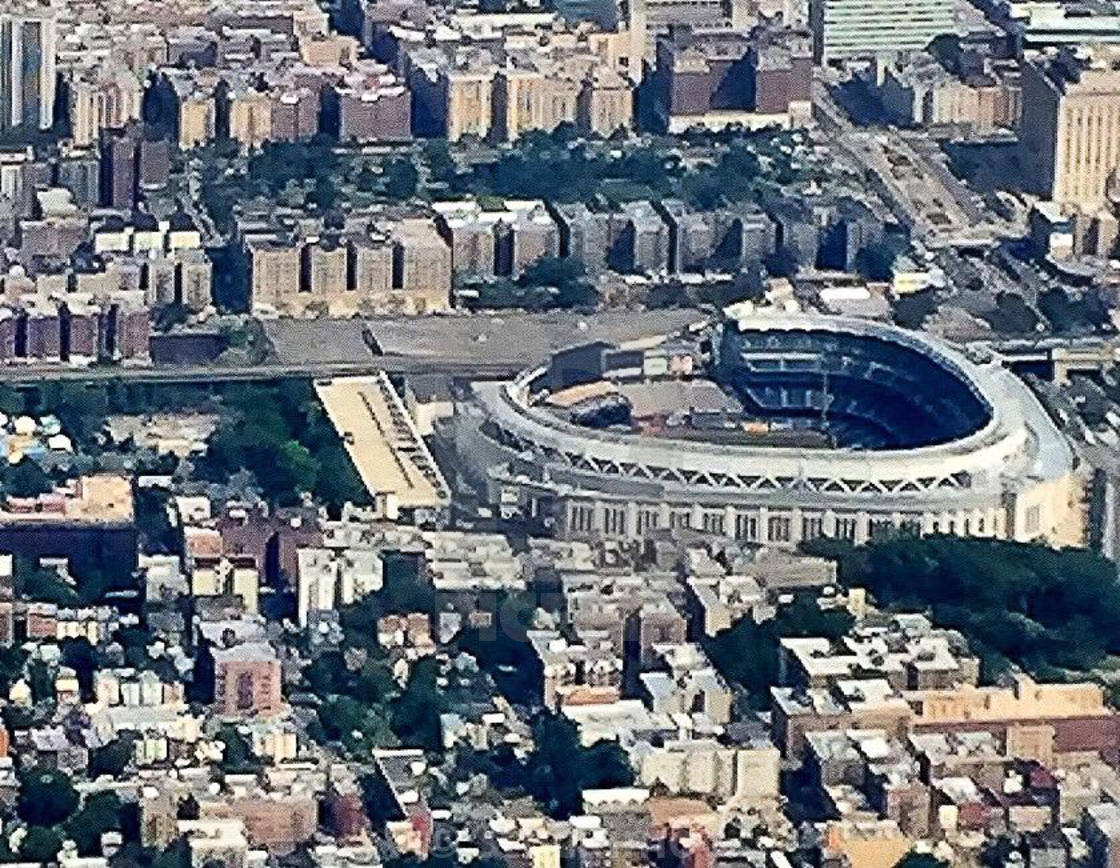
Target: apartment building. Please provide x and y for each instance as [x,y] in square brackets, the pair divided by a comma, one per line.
[1071,124]
[399,266]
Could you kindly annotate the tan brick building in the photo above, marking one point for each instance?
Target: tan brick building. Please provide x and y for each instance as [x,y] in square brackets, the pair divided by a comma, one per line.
[1070,131]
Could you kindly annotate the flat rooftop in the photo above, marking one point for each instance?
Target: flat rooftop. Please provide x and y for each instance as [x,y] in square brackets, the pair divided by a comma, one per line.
[517,339]
[97,499]
[382,440]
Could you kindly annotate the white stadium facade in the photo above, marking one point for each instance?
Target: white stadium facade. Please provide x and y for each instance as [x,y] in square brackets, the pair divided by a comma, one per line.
[772,428]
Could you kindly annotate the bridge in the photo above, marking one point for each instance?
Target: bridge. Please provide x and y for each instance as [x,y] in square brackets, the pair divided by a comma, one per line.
[26,375]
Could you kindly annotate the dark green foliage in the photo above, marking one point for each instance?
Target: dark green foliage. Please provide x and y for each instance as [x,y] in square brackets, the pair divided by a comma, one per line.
[237,754]
[281,434]
[46,797]
[549,167]
[44,586]
[502,650]
[920,860]
[111,759]
[156,532]
[40,845]
[100,813]
[415,713]
[278,164]
[910,311]
[12,660]
[1012,314]
[560,768]
[400,179]
[747,654]
[363,706]
[547,284]
[177,855]
[324,195]
[1068,312]
[166,316]
[1042,608]
[25,479]
[557,771]
[41,681]
[81,656]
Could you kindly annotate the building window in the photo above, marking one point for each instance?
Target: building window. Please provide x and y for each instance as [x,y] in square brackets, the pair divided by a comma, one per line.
[244,691]
[746,527]
[713,522]
[846,528]
[615,520]
[910,526]
[778,528]
[880,527]
[648,519]
[812,526]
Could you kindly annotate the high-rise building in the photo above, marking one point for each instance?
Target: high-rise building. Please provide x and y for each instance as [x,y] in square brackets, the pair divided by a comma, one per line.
[1071,124]
[649,20]
[106,97]
[421,265]
[718,78]
[368,105]
[27,67]
[844,29]
[250,116]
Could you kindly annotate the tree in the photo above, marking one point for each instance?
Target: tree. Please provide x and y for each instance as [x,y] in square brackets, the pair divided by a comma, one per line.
[366,179]
[324,195]
[43,585]
[1012,601]
[748,653]
[374,683]
[41,682]
[441,165]
[502,648]
[912,310]
[416,713]
[100,813]
[12,661]
[1012,314]
[560,768]
[26,479]
[914,859]
[46,797]
[167,316]
[237,752]
[81,656]
[111,759]
[400,180]
[296,467]
[40,845]
[566,275]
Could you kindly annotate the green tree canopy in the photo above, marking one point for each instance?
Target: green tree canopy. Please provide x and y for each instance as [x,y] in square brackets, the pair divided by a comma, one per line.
[100,813]
[46,797]
[40,845]
[1042,608]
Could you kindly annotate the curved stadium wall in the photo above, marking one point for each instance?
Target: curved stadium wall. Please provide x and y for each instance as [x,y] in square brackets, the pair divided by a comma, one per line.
[923,440]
